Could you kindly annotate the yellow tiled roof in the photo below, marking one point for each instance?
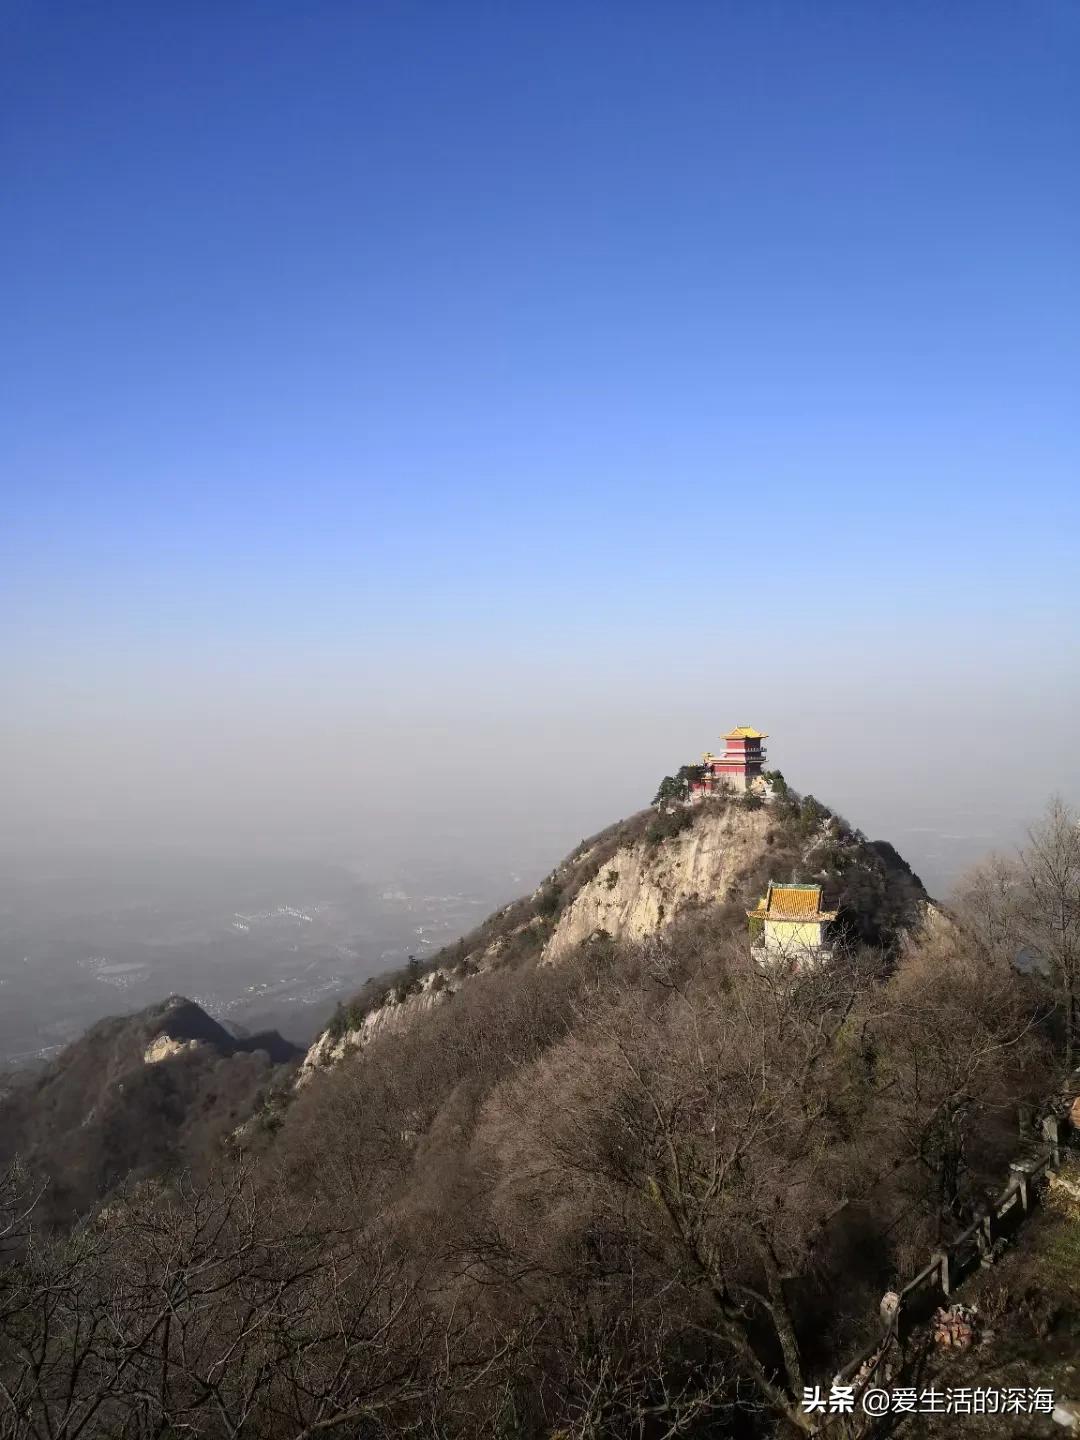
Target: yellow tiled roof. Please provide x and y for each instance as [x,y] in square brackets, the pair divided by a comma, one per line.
[745,732]
[793,902]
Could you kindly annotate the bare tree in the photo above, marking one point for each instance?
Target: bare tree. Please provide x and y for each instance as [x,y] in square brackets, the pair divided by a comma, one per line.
[956,1049]
[201,1311]
[1032,904]
[699,1120]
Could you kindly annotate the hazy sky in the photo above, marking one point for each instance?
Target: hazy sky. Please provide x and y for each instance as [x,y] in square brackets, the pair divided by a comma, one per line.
[422,425]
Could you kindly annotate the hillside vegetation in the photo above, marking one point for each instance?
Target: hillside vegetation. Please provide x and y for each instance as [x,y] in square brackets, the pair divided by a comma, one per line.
[135,1096]
[614,1196]
[636,877]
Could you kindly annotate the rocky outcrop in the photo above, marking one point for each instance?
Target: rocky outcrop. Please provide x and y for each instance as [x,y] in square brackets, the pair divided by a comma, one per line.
[391,1016]
[645,883]
[164,1047]
[178,1025]
[135,1096]
[635,877]
[636,889]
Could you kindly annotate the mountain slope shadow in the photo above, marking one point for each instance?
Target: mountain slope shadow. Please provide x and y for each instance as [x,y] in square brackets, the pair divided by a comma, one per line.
[136,1095]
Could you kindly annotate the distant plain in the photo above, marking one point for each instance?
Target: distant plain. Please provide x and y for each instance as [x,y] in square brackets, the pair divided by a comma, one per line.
[259,944]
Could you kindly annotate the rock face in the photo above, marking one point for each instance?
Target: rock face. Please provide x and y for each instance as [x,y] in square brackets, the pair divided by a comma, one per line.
[645,883]
[633,879]
[178,1025]
[633,893]
[390,1017]
[164,1047]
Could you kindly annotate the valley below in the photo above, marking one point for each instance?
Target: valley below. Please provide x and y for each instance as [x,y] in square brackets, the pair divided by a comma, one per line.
[257,944]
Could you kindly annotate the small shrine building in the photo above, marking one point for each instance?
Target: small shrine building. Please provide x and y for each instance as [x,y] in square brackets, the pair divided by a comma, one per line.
[789,921]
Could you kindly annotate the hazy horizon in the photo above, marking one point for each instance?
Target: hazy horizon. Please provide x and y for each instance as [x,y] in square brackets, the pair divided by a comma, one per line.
[424,429]
[518,795]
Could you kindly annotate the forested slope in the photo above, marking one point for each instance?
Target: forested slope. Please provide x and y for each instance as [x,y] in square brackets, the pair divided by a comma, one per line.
[649,1190]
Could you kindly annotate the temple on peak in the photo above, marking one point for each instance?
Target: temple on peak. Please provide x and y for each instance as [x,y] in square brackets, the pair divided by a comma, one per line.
[739,768]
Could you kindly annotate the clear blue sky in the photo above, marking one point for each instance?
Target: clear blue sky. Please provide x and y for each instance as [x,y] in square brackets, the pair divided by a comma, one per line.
[534,344]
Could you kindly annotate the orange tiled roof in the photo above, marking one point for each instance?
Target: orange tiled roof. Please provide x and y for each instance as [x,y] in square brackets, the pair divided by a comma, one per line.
[794,902]
[745,732]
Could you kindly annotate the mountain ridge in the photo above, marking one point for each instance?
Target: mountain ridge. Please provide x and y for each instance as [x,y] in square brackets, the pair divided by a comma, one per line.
[647,1148]
[636,877]
[134,1095]
[169,1085]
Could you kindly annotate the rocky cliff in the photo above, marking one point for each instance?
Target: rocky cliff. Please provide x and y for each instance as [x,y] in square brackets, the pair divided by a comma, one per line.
[645,883]
[636,877]
[169,1086]
[390,1015]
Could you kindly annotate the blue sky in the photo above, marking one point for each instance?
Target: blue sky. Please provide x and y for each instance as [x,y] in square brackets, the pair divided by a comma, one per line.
[520,363]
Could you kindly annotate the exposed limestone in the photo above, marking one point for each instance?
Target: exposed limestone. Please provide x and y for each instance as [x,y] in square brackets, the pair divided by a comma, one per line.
[644,884]
[627,891]
[391,1016]
[164,1047]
